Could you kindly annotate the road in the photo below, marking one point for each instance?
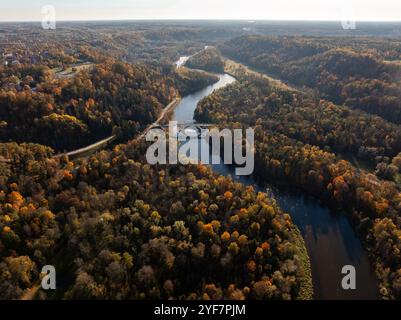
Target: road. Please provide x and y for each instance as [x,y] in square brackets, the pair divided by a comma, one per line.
[97,145]
[68,74]
[89,148]
[165,111]
[180,63]
[183,60]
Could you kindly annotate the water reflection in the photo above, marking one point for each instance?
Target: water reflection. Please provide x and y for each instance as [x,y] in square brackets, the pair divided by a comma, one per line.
[330,240]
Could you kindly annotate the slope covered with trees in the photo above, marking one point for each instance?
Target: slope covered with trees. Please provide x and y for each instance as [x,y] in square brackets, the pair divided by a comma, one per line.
[358,74]
[118,228]
[208,60]
[188,81]
[285,131]
[306,118]
[109,98]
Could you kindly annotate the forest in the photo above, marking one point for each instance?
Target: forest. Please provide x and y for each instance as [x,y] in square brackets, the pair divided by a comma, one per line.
[311,120]
[326,110]
[209,60]
[110,98]
[289,136]
[359,75]
[114,225]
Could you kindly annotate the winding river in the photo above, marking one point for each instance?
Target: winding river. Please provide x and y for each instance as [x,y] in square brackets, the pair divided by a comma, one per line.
[330,239]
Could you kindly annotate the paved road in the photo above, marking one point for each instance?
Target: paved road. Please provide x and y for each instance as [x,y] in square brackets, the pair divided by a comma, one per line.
[68,74]
[167,109]
[97,145]
[183,60]
[88,148]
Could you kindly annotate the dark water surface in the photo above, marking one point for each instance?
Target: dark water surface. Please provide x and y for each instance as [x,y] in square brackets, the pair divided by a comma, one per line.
[330,239]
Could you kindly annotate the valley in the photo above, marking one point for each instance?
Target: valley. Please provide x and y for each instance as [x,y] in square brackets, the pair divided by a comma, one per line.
[77,191]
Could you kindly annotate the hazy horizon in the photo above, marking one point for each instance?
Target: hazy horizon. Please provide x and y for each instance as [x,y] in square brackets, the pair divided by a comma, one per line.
[261,10]
[200,19]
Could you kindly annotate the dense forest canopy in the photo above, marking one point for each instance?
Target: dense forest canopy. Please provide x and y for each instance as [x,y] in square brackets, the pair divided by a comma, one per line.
[120,224]
[208,59]
[291,148]
[109,98]
[354,74]
[116,227]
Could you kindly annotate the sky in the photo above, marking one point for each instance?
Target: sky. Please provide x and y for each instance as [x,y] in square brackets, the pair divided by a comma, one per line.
[358,10]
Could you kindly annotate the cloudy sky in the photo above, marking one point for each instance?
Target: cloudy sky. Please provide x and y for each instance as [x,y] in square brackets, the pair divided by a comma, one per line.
[360,10]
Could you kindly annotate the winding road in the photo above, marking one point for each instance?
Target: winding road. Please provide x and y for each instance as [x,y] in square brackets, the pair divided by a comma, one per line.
[99,144]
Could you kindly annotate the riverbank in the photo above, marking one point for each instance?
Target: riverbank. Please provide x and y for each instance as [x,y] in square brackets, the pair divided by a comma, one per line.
[235,69]
[330,239]
[369,259]
[185,112]
[305,273]
[88,150]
